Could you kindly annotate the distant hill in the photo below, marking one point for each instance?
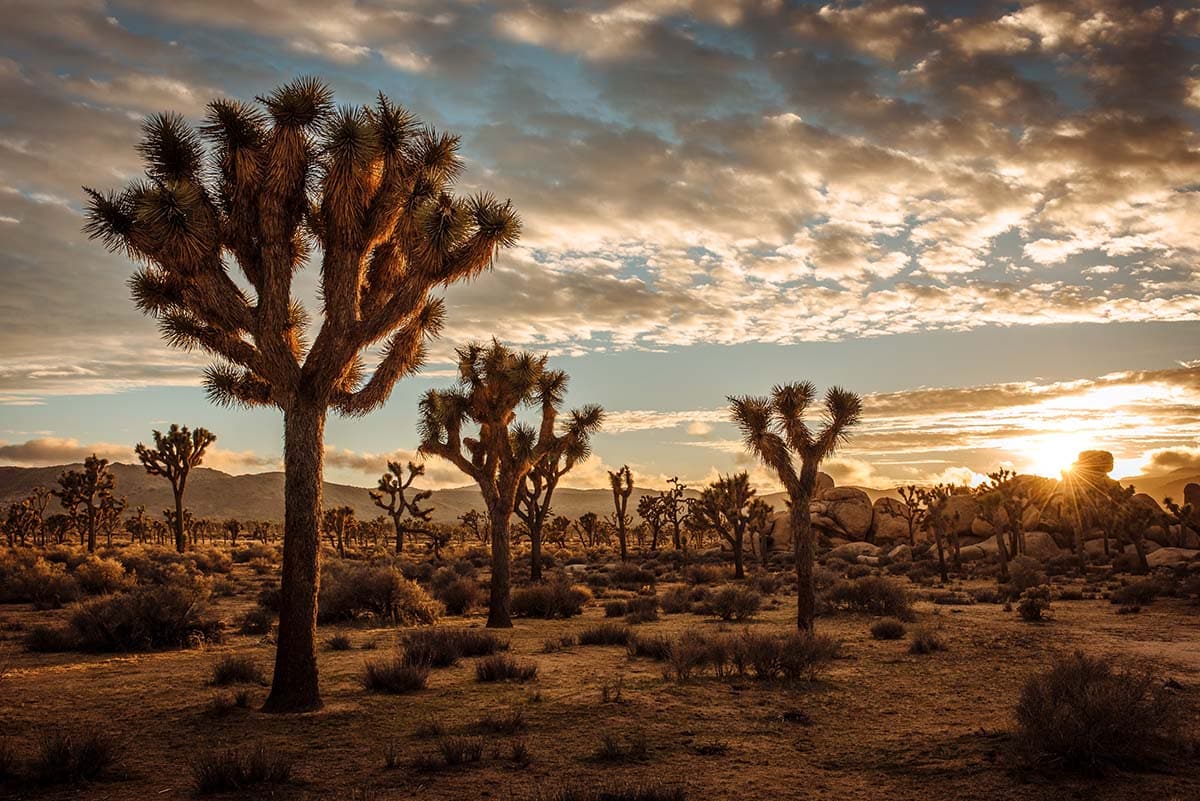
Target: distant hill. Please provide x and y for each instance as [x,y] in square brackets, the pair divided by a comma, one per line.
[1167,485]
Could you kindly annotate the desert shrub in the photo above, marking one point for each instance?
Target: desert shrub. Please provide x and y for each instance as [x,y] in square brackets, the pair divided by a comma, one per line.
[733,602]
[46,585]
[676,601]
[557,598]
[951,598]
[1025,572]
[255,551]
[874,595]
[765,583]
[1137,593]
[379,593]
[233,669]
[614,791]
[1062,565]
[988,595]
[147,618]
[509,722]
[797,656]
[651,646]
[888,629]
[50,639]
[97,576]
[64,758]
[611,749]
[459,596]
[615,608]
[231,769]
[552,645]
[1034,603]
[270,597]
[501,667]
[858,571]
[689,654]
[1088,714]
[339,642]
[461,750]
[395,675]
[642,609]
[630,577]
[1069,594]
[605,634]
[152,564]
[925,640]
[443,646]
[224,703]
[705,574]
[209,560]
[258,621]
[922,572]
[598,581]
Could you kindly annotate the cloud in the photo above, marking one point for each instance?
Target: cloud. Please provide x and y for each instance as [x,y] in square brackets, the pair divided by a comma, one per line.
[1166,460]
[699,428]
[47,451]
[363,466]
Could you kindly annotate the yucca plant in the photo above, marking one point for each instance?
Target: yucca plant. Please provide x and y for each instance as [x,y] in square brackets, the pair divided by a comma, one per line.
[493,382]
[393,486]
[173,456]
[774,429]
[367,187]
[729,507]
[621,484]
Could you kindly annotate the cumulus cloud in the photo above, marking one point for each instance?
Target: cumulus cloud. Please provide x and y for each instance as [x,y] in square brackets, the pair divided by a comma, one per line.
[45,451]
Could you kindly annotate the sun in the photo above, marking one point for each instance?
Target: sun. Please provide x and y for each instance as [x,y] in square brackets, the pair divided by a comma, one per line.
[1053,454]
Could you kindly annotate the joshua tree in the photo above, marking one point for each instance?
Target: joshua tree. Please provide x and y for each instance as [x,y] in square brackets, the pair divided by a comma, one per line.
[478,523]
[537,488]
[933,502]
[1081,485]
[728,507]
[556,530]
[233,527]
[137,525]
[589,529]
[368,188]
[1132,521]
[774,429]
[912,510]
[992,499]
[675,509]
[494,382]
[109,516]
[173,456]
[622,487]
[653,510]
[86,495]
[1182,516]
[394,485]
[339,524]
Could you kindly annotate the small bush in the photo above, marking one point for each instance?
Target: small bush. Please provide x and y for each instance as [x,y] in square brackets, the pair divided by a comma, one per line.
[874,595]
[459,596]
[444,646]
[63,758]
[706,574]
[1025,572]
[676,601]
[887,629]
[258,621]
[148,618]
[339,642]
[734,603]
[615,791]
[509,722]
[45,639]
[461,750]
[797,656]
[925,641]
[46,585]
[615,608]
[1138,593]
[630,577]
[395,675]
[554,599]
[611,749]
[97,576]
[642,609]
[605,634]
[653,646]
[230,770]
[1034,603]
[373,593]
[501,667]
[233,669]
[552,645]
[1087,714]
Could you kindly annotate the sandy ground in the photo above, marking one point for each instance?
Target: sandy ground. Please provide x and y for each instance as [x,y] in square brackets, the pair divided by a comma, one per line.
[883,724]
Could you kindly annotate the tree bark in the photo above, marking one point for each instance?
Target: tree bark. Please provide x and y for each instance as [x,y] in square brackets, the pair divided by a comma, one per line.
[180,539]
[804,551]
[399,534]
[294,687]
[739,568]
[499,616]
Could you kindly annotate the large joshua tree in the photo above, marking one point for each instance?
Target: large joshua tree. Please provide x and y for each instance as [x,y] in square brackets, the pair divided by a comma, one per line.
[173,456]
[87,495]
[728,506]
[537,488]
[367,187]
[774,429]
[393,486]
[494,382]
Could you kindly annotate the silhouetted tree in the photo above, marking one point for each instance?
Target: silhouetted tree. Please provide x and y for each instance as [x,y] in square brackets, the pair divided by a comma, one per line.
[494,382]
[621,483]
[933,501]
[1080,487]
[912,510]
[339,523]
[368,187]
[478,523]
[774,429]
[1133,520]
[727,506]
[85,494]
[556,530]
[537,488]
[173,456]
[676,506]
[589,529]
[394,485]
[652,509]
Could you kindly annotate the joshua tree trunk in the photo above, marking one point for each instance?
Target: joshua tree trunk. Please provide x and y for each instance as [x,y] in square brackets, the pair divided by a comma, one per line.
[804,551]
[1002,550]
[535,536]
[91,530]
[294,688]
[180,538]
[739,568]
[941,554]
[499,601]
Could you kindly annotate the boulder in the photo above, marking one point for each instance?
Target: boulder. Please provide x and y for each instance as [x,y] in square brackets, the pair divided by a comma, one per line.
[1041,546]
[972,553]
[824,484]
[891,520]
[852,550]
[1159,534]
[901,553]
[961,511]
[844,511]
[982,529]
[1164,557]
[1095,548]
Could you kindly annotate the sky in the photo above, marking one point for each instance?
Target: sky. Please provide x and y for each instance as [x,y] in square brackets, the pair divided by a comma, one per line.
[982,216]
